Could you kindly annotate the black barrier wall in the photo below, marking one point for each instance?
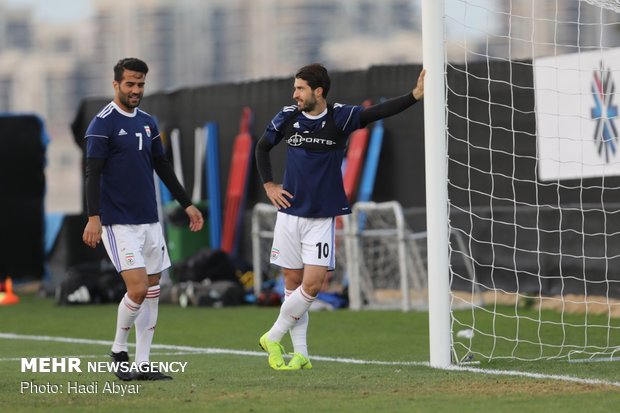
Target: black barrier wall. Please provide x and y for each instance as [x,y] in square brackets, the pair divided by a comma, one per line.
[498,212]
[402,155]
[22,189]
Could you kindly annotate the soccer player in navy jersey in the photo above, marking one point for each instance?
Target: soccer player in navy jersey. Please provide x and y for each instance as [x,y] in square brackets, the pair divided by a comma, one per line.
[310,197]
[123,148]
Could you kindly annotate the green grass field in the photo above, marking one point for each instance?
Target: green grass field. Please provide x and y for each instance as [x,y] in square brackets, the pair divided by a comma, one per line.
[371,361]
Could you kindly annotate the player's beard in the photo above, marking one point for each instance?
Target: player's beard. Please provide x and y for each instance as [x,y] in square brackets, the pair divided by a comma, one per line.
[308,105]
[127,101]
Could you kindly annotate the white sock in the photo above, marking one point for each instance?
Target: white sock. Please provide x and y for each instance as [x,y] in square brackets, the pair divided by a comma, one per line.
[127,313]
[292,310]
[145,324]
[299,331]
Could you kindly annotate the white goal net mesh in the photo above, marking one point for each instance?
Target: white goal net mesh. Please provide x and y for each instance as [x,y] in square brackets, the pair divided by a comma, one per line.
[534,177]
[386,264]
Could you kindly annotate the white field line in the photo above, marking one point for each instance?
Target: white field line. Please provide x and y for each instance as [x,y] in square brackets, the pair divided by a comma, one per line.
[595,360]
[201,350]
[189,350]
[101,356]
[535,375]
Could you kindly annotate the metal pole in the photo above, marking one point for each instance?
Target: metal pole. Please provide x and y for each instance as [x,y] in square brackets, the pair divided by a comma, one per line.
[436,183]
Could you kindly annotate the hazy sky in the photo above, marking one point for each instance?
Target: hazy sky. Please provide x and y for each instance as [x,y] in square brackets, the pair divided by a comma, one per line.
[56,11]
[59,11]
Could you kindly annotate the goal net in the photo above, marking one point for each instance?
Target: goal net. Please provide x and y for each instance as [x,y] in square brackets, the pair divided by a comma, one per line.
[533,172]
[385,259]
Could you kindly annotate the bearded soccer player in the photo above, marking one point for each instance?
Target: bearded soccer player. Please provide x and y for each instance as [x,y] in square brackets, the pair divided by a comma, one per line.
[310,197]
[123,148]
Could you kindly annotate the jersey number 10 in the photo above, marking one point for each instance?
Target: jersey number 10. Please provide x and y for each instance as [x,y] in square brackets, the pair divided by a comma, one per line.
[322,247]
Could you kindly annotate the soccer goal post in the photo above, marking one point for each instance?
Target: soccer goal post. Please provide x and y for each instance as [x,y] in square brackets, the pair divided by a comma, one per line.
[522,160]
[436,178]
[384,260]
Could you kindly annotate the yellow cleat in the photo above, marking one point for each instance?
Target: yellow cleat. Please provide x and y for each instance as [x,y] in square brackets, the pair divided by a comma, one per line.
[299,362]
[275,351]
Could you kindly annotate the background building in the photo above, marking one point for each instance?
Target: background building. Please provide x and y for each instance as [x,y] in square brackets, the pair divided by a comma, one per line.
[48,68]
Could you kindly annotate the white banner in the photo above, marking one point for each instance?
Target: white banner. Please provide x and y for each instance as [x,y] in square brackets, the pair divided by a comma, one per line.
[577,115]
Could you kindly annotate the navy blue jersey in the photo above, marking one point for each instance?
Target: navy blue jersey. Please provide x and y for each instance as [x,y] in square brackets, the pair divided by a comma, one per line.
[127,142]
[314,176]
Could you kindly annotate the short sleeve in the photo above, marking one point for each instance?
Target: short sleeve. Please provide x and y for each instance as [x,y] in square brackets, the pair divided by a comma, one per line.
[274,131]
[347,117]
[97,139]
[157,147]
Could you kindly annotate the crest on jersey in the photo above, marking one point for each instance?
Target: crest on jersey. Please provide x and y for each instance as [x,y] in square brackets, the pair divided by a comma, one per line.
[130,258]
[148,130]
[275,253]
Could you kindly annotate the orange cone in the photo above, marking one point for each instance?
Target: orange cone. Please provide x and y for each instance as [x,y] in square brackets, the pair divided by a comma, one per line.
[9,296]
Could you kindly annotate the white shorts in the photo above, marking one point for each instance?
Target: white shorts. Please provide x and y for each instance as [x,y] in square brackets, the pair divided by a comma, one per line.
[299,241]
[136,246]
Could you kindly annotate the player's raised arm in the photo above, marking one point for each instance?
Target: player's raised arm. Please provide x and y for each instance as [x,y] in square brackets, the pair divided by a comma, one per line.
[418,91]
[395,105]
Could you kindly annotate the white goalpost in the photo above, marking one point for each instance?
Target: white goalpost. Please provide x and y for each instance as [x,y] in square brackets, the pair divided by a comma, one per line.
[522,161]
[385,263]
[436,177]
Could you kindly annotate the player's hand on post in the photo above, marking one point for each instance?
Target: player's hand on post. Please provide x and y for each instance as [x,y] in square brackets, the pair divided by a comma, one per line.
[418,91]
[92,232]
[278,196]
[196,221]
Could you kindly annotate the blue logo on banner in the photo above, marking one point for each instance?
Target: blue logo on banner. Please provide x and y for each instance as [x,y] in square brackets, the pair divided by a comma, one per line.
[604,112]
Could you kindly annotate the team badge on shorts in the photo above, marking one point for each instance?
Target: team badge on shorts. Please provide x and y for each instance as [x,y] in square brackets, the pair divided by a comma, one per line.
[275,253]
[130,258]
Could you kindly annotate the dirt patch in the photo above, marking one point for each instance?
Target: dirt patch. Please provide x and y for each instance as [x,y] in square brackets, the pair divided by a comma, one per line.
[570,303]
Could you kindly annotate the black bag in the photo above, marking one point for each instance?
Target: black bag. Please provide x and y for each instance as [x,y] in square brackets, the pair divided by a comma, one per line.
[208,294]
[208,278]
[206,264]
[91,283]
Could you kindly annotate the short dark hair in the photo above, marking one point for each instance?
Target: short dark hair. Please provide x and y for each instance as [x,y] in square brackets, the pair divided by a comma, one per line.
[129,63]
[316,75]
